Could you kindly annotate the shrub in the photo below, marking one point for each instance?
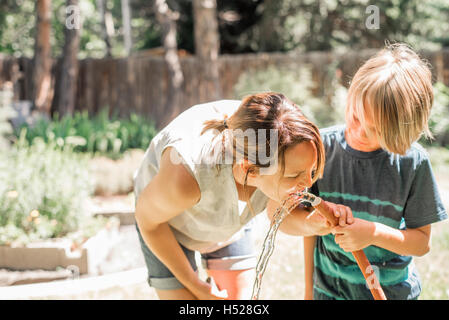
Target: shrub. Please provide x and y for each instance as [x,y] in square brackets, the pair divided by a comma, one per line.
[439,118]
[6,112]
[102,134]
[115,176]
[440,160]
[297,85]
[43,189]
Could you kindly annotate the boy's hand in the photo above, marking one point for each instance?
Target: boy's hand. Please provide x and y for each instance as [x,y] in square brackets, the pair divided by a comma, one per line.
[355,236]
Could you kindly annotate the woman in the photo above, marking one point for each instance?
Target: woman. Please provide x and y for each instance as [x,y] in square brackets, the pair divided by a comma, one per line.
[204,177]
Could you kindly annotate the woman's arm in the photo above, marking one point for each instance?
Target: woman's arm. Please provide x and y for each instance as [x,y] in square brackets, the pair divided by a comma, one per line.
[309,246]
[309,222]
[300,221]
[169,193]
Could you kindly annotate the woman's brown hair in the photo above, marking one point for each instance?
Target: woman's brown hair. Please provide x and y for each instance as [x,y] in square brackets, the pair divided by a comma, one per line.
[269,111]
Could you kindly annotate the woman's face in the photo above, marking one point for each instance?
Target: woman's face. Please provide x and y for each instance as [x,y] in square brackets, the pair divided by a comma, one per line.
[300,164]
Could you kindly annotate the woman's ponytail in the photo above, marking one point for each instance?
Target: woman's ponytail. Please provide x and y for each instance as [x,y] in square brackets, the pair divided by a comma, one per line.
[215,124]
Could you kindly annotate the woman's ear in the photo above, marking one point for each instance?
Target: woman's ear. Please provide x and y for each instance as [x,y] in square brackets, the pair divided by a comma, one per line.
[246,166]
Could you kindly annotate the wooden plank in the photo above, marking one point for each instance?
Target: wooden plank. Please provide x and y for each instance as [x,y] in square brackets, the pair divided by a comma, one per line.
[139,83]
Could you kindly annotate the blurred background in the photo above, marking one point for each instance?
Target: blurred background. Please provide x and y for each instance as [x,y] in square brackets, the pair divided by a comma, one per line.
[86,84]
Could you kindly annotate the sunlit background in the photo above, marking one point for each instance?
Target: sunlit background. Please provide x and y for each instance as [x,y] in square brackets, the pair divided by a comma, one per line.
[86,84]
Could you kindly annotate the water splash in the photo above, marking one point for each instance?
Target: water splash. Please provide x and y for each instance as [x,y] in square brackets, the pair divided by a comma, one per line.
[292,201]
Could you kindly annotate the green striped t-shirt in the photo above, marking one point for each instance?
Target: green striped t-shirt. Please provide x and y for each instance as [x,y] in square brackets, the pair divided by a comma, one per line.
[398,191]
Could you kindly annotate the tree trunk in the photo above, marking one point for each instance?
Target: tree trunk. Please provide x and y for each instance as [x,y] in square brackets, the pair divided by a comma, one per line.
[167,19]
[207,47]
[271,26]
[41,81]
[107,25]
[68,75]
[126,18]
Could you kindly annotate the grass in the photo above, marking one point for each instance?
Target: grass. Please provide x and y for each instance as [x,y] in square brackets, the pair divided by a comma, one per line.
[432,267]
[284,277]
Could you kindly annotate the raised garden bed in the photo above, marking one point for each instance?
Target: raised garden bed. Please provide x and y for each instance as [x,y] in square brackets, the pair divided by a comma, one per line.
[123,285]
[13,278]
[113,249]
[119,206]
[46,255]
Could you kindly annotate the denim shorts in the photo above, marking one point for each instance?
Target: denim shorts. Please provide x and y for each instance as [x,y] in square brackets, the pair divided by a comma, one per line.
[239,255]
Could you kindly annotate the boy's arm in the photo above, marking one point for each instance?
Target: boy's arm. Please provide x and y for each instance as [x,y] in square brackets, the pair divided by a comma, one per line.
[363,233]
[415,242]
[309,246]
[423,207]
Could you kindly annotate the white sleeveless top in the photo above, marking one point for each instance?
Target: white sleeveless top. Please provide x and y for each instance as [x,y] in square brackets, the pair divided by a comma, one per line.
[217,219]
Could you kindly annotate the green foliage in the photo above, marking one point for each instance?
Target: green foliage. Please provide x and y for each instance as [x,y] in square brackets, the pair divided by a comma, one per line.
[18,23]
[6,112]
[296,84]
[43,190]
[307,25]
[439,118]
[329,24]
[102,134]
[439,157]
[16,28]
[244,25]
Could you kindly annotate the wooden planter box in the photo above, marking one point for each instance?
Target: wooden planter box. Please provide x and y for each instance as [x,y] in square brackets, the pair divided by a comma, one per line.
[126,217]
[43,256]
[49,255]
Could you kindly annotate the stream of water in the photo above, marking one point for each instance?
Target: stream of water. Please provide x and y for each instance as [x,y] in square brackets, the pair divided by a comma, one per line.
[281,212]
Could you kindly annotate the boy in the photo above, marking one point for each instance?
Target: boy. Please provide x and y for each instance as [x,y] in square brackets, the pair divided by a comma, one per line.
[375,166]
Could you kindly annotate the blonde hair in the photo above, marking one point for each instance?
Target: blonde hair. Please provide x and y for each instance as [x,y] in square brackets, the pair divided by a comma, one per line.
[396,84]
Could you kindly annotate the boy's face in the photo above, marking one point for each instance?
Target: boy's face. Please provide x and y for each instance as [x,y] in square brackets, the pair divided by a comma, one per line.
[363,138]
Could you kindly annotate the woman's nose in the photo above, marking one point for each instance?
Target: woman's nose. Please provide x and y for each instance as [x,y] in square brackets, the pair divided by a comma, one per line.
[306,182]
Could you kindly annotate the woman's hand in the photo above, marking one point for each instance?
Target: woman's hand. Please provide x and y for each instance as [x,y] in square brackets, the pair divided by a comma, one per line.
[343,213]
[342,216]
[336,214]
[209,291]
[355,236]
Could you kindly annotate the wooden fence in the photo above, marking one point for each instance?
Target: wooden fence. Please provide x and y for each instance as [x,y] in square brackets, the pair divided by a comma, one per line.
[139,83]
